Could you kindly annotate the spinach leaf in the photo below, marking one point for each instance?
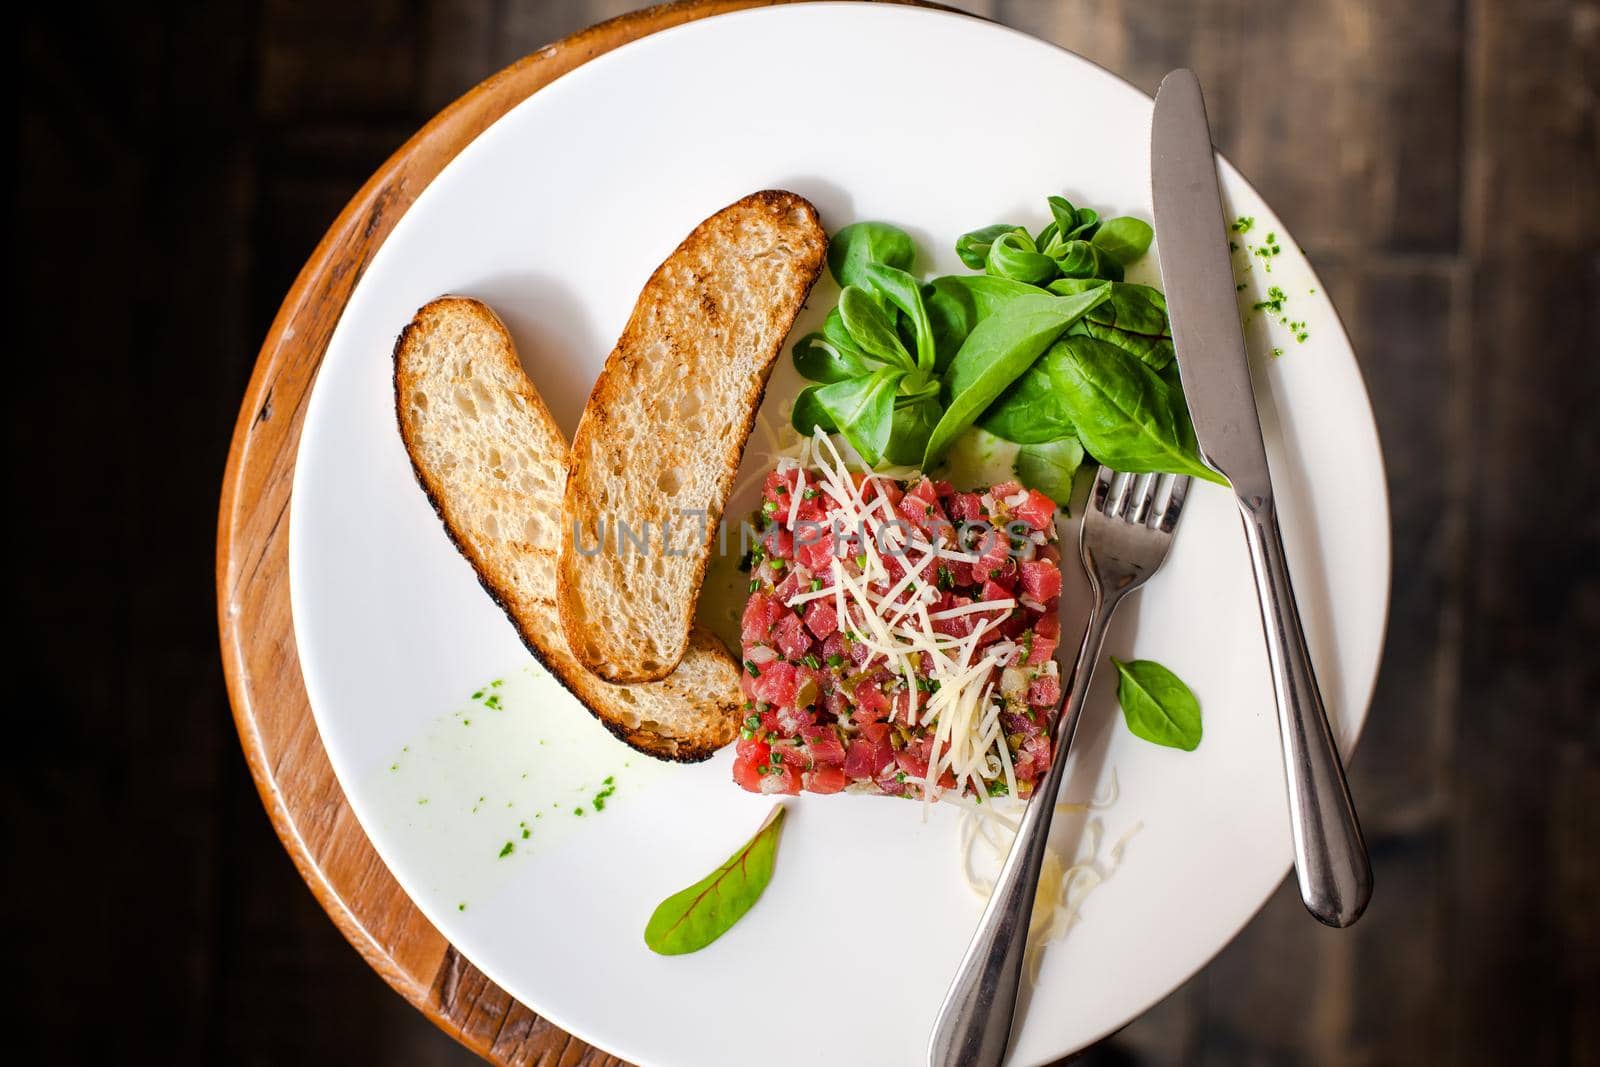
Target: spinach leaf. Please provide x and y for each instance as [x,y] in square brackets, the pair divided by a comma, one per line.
[914,420]
[860,243]
[996,353]
[809,415]
[958,302]
[1014,256]
[692,918]
[1124,239]
[904,292]
[863,410]
[1081,259]
[973,247]
[1157,705]
[870,327]
[1050,467]
[1073,286]
[819,359]
[1032,410]
[1134,319]
[1127,416]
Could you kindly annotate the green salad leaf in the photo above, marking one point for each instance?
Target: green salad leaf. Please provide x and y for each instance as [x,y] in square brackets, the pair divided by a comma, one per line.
[692,918]
[819,359]
[1032,410]
[1081,259]
[808,415]
[1134,319]
[973,247]
[860,243]
[1157,705]
[1071,223]
[1124,239]
[863,410]
[1050,467]
[914,420]
[903,291]
[870,327]
[958,302]
[1013,255]
[1127,416]
[996,353]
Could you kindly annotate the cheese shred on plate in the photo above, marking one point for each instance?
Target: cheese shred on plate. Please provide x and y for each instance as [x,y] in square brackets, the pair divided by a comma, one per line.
[899,635]
[987,832]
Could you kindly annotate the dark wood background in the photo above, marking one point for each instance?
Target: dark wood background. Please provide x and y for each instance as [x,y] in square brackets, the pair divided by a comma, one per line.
[1438,159]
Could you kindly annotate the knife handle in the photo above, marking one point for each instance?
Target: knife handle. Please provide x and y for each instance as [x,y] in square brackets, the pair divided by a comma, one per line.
[1330,856]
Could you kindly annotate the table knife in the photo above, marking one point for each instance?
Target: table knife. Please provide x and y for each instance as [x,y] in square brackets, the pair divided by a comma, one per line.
[1330,856]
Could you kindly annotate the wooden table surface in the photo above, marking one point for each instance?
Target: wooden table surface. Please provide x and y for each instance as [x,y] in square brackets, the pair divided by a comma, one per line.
[1437,159]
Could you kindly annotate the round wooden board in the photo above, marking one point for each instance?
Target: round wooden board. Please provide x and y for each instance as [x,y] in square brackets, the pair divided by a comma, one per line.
[270,706]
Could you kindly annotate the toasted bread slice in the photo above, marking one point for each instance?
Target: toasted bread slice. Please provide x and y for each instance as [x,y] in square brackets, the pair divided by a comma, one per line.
[661,437]
[493,462]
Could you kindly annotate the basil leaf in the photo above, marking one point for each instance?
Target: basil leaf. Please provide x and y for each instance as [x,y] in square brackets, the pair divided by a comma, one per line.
[1134,319]
[809,416]
[692,918]
[860,243]
[996,353]
[1124,239]
[1050,467]
[1157,705]
[1081,259]
[973,247]
[819,359]
[870,327]
[863,410]
[1127,416]
[905,293]
[1032,410]
[914,420]
[958,302]
[1013,255]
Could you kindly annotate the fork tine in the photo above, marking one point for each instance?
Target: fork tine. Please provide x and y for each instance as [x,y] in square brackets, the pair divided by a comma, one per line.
[1166,517]
[1122,488]
[1102,488]
[1145,498]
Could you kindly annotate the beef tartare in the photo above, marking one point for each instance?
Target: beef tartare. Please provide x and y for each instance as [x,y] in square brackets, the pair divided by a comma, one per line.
[899,636]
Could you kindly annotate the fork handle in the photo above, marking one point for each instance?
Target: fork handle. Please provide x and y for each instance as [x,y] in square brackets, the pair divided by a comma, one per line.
[1330,857]
[974,1022]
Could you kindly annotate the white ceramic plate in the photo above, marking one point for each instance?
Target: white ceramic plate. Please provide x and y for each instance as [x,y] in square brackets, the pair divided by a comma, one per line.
[555,216]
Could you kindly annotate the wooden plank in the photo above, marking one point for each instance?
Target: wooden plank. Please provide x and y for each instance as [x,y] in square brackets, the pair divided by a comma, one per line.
[344,59]
[1346,115]
[1524,973]
[457,48]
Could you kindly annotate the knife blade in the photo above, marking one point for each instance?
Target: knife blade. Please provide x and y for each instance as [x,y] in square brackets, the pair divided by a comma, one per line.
[1198,275]
[1330,857]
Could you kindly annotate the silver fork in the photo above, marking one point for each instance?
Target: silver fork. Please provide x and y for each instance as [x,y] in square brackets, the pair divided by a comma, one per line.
[1124,538]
